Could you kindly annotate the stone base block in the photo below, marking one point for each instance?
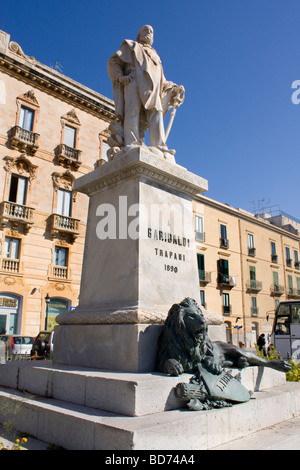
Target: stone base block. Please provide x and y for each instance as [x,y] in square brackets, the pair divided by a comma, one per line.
[127,347]
[124,347]
[129,394]
[81,428]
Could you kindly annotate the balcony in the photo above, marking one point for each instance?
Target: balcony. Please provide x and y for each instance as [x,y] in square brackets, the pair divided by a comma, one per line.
[251,251]
[276,289]
[226,309]
[252,285]
[24,140]
[225,281]
[294,293]
[274,258]
[59,273]
[254,311]
[224,243]
[200,236]
[62,226]
[16,214]
[11,266]
[297,264]
[68,156]
[289,262]
[204,277]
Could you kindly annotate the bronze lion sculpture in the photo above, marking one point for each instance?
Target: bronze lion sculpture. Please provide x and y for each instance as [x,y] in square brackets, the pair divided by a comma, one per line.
[184,344]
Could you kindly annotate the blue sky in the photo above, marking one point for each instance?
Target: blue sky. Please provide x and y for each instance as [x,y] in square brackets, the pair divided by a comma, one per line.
[237,59]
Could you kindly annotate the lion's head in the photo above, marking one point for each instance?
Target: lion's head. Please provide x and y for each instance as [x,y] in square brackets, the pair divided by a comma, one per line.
[184,338]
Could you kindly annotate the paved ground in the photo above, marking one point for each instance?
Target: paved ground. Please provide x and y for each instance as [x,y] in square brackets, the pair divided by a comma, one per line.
[282,436]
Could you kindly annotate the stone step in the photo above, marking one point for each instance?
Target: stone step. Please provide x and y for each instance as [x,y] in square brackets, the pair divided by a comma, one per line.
[79,427]
[130,394]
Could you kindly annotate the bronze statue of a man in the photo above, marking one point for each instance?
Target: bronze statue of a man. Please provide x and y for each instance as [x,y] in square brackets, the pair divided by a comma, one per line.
[141,93]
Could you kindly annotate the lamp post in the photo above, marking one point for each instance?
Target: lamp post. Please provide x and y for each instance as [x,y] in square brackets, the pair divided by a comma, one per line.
[47,300]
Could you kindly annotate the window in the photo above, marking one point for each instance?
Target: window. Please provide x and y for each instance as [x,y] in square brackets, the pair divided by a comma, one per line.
[296,259]
[275,281]
[18,189]
[274,256]
[290,284]
[251,249]
[254,310]
[288,256]
[224,240]
[11,248]
[250,240]
[61,256]
[64,202]
[70,136]
[199,228]
[202,298]
[223,271]
[252,277]
[298,285]
[201,270]
[226,304]
[26,118]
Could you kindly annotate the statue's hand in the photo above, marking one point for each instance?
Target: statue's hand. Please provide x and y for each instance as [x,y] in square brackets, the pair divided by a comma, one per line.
[173,367]
[125,79]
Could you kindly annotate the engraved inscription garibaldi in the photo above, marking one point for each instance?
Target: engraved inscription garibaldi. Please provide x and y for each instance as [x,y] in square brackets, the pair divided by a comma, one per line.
[141,93]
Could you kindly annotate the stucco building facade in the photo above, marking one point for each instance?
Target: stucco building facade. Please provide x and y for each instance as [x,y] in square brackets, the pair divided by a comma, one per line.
[50,134]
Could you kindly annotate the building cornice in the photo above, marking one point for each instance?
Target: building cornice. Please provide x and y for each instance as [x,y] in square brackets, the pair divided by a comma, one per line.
[251,218]
[52,82]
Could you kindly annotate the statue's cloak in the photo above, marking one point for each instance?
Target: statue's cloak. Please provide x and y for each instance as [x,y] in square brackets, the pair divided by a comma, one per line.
[154,91]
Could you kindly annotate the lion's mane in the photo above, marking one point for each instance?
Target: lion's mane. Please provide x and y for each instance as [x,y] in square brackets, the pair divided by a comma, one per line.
[178,342]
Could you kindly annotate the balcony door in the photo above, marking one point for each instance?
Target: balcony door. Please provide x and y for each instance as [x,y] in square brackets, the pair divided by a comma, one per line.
[26,118]
[18,189]
[64,202]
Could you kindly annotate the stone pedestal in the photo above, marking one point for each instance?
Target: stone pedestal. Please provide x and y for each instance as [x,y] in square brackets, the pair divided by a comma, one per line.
[139,259]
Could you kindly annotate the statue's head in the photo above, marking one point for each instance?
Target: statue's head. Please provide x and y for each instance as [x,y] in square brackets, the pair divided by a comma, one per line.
[146,35]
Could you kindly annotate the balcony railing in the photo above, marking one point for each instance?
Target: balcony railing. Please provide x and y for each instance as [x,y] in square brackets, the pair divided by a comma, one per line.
[16,213]
[62,225]
[251,251]
[10,265]
[276,289]
[226,281]
[200,236]
[224,242]
[289,262]
[253,285]
[24,140]
[59,272]
[274,258]
[204,276]
[254,311]
[226,309]
[68,156]
[294,293]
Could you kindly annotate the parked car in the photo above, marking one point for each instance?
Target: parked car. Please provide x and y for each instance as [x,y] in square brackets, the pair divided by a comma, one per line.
[17,346]
[42,346]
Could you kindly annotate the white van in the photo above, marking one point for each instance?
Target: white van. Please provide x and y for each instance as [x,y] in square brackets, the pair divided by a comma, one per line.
[286,329]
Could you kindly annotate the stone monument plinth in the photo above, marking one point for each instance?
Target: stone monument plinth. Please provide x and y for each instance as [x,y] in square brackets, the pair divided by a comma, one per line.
[139,259]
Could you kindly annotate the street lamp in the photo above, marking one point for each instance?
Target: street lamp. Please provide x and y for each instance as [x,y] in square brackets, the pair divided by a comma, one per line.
[47,300]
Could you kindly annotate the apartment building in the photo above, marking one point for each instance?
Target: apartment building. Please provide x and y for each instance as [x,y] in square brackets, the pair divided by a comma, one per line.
[52,130]
[247,264]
